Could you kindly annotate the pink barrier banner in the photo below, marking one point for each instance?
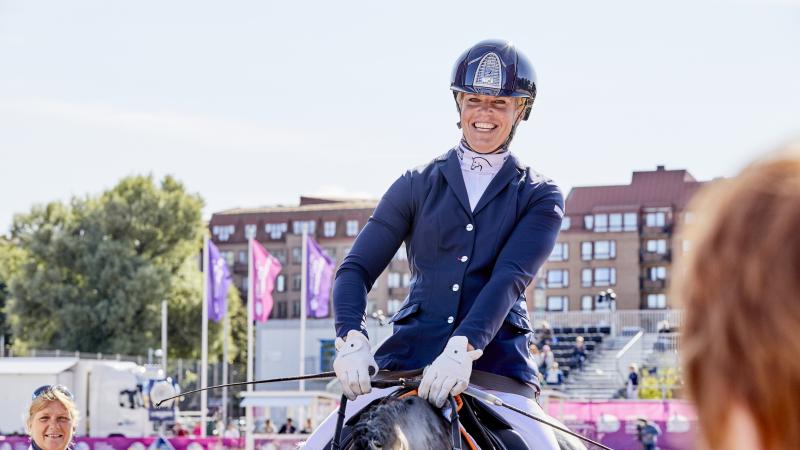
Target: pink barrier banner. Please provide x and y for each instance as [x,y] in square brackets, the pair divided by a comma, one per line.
[145,443]
[613,423]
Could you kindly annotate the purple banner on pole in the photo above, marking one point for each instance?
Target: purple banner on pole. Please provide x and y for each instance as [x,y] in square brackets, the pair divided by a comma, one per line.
[318,284]
[219,278]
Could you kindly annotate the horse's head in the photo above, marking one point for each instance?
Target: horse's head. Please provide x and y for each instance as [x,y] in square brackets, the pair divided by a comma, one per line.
[408,423]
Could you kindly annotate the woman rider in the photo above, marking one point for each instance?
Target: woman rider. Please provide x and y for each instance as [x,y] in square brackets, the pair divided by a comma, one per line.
[477,225]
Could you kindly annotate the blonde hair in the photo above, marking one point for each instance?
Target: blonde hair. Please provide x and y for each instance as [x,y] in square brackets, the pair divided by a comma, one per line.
[740,288]
[42,400]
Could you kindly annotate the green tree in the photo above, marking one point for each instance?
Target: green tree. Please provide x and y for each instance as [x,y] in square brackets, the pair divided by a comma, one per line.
[92,274]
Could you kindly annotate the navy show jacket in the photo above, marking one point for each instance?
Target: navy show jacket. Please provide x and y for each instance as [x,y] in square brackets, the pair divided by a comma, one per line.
[469,269]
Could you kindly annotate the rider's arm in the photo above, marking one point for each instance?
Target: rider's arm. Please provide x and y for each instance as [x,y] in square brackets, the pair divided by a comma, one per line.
[372,251]
[525,251]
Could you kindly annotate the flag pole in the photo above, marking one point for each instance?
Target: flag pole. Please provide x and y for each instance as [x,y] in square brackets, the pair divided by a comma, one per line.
[249,442]
[204,341]
[303,295]
[225,328]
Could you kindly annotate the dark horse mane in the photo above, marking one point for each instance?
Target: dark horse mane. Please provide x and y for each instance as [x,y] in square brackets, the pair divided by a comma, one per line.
[386,426]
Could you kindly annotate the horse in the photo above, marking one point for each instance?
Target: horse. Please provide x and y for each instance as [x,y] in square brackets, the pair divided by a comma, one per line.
[400,420]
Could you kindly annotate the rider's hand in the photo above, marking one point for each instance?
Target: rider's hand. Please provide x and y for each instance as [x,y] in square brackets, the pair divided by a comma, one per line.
[449,373]
[352,364]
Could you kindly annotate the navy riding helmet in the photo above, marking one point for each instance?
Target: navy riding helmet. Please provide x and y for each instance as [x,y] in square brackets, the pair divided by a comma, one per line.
[495,67]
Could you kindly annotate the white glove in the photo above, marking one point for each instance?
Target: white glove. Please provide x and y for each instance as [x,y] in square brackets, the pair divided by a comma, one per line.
[352,364]
[449,373]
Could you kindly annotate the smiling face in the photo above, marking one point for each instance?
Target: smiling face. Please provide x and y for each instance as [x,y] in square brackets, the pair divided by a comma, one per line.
[51,426]
[487,121]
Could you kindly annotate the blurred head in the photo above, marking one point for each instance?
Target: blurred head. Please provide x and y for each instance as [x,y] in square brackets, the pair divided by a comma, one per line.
[534,349]
[545,348]
[740,287]
[579,339]
[52,417]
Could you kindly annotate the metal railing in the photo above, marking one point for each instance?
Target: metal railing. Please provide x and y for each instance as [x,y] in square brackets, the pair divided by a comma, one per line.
[650,321]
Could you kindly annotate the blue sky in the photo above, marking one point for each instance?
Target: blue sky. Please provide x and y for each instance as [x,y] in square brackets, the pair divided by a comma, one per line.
[255,103]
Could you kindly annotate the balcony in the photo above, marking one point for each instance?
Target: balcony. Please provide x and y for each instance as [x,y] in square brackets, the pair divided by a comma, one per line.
[651,257]
[646,284]
[660,231]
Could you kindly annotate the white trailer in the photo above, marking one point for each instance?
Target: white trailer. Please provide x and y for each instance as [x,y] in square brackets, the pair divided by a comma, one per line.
[107,393]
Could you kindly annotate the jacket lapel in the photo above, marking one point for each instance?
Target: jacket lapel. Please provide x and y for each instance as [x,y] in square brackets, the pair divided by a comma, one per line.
[452,173]
[510,171]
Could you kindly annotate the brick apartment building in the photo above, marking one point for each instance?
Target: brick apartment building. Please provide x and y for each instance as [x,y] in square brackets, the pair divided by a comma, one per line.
[333,223]
[618,237]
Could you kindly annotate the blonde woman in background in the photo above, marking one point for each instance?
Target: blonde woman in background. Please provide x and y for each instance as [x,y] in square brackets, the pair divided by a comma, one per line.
[51,418]
[740,287]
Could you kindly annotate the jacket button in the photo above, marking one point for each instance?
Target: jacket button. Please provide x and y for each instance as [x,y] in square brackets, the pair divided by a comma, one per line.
[469,227]
[456,287]
[463,258]
[450,319]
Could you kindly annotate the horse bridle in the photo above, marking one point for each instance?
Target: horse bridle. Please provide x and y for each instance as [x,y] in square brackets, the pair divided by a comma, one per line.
[408,385]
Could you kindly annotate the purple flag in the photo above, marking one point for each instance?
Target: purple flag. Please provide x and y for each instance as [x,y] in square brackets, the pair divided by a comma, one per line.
[218,280]
[266,268]
[318,286]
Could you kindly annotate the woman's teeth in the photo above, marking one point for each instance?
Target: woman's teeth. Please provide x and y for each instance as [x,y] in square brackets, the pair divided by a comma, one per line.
[485,126]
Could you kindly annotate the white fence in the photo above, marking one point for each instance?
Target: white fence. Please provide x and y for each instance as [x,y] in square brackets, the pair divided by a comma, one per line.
[621,322]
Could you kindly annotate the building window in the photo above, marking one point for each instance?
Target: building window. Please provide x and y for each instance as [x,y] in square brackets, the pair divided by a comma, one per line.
[657,273]
[655,219]
[279,254]
[275,230]
[656,301]
[600,223]
[281,310]
[560,252]
[605,249]
[586,277]
[565,223]
[393,280]
[393,305]
[588,222]
[557,278]
[605,276]
[243,256]
[223,232]
[296,282]
[406,279]
[352,228]
[329,228]
[297,255]
[330,251]
[228,256]
[587,303]
[280,283]
[299,225]
[629,222]
[250,231]
[615,222]
[401,254]
[586,251]
[296,308]
[656,246]
[557,303]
